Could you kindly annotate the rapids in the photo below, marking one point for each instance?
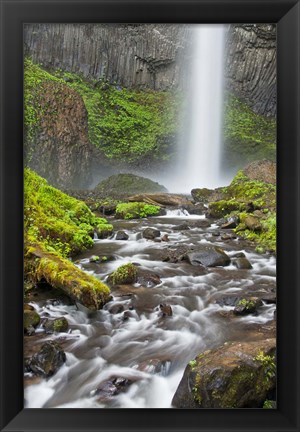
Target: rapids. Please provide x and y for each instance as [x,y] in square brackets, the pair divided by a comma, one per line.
[145,348]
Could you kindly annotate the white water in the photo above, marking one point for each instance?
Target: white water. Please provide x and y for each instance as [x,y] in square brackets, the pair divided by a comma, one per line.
[102,345]
[200,147]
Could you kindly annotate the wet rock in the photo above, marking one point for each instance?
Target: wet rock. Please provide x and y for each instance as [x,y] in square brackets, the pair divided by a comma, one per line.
[157,240]
[122,235]
[153,366]
[253,223]
[57,325]
[112,387]
[48,359]
[127,314]
[195,209]
[151,233]
[174,255]
[165,310]
[182,227]
[232,222]
[204,195]
[238,255]
[247,306]
[228,236]
[242,263]
[249,207]
[31,320]
[235,375]
[107,209]
[115,308]
[28,307]
[209,256]
[227,300]
[165,238]
[201,223]
[215,233]
[147,278]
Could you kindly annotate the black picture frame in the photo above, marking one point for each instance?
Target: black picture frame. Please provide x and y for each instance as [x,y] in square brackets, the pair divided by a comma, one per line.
[14,13]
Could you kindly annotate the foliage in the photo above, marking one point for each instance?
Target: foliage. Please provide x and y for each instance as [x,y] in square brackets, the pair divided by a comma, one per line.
[268,363]
[136,210]
[247,304]
[248,136]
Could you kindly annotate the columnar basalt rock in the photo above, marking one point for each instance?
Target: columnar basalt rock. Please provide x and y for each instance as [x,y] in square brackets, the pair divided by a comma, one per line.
[157,56]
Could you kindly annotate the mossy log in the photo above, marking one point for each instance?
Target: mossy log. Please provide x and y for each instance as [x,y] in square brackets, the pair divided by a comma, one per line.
[63,274]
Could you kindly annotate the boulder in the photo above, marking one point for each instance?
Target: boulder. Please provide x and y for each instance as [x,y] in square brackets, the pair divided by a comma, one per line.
[122,235]
[204,195]
[208,256]
[252,223]
[247,306]
[232,222]
[235,375]
[242,263]
[31,320]
[47,360]
[151,233]
[147,278]
[165,310]
[165,238]
[201,223]
[125,274]
[57,325]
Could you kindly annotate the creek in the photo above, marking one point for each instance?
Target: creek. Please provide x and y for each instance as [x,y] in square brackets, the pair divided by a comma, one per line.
[130,339]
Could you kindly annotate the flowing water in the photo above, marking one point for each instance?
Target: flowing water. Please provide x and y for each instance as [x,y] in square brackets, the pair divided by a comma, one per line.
[130,339]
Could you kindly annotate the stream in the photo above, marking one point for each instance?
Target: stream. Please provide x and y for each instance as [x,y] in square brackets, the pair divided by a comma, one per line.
[131,355]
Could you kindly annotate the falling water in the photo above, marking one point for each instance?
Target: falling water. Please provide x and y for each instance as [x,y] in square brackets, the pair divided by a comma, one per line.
[200,147]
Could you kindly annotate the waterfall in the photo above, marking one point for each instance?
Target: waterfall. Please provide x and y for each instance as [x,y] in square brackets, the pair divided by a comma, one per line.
[200,146]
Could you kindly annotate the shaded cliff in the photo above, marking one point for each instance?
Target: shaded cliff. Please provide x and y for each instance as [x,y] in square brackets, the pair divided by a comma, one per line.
[156,56]
[251,65]
[56,130]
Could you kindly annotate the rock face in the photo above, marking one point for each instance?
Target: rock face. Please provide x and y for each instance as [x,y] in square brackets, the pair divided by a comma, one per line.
[251,65]
[236,375]
[60,151]
[156,56]
[133,55]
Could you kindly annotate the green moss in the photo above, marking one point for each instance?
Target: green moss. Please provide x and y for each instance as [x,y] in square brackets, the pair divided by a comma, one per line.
[136,210]
[247,304]
[55,227]
[218,209]
[268,364]
[248,136]
[125,274]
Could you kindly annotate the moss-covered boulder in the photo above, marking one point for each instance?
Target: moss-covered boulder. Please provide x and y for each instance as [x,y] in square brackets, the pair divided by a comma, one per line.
[124,185]
[136,210]
[236,375]
[125,274]
[56,227]
[57,325]
[31,320]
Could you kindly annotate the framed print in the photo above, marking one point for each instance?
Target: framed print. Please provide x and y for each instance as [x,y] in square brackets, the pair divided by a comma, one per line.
[149,235]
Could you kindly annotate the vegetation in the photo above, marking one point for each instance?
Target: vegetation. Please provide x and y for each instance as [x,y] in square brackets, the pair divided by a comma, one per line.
[56,227]
[127,125]
[136,210]
[244,194]
[248,136]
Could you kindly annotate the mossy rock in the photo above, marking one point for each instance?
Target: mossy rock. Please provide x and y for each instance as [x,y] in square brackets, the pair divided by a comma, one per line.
[47,360]
[31,319]
[58,325]
[125,274]
[236,375]
[136,210]
[219,209]
[124,185]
